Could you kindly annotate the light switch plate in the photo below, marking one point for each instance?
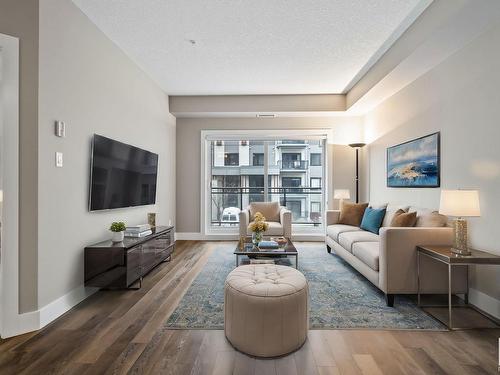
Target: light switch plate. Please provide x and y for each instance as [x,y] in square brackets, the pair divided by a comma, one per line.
[59,159]
[60,129]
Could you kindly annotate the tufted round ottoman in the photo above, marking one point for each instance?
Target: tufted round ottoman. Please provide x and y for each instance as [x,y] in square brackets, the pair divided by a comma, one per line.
[266,309]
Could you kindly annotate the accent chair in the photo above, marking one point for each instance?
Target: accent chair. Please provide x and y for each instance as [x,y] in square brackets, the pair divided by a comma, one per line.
[279,218]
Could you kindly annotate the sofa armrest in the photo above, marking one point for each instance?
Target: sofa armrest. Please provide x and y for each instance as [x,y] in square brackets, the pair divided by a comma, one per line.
[244,217]
[332,217]
[286,221]
[398,261]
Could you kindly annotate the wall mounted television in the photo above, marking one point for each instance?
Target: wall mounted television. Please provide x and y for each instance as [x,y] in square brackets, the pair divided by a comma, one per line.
[121,175]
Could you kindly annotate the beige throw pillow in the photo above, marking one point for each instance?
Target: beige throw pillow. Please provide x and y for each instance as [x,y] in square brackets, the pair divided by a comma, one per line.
[432,219]
[404,219]
[352,213]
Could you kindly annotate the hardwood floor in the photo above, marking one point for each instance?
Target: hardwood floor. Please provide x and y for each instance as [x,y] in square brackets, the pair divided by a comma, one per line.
[118,332]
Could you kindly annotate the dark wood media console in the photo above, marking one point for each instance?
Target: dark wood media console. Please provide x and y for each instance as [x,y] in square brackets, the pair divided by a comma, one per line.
[120,264]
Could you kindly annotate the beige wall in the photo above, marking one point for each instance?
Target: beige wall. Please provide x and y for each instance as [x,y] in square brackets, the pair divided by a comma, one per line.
[88,82]
[188,172]
[460,98]
[20,19]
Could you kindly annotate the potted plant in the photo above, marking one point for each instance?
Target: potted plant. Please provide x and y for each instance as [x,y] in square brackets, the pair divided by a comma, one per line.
[117,227]
[258,227]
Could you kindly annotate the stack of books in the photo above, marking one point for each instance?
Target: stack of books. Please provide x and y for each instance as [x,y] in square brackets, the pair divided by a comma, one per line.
[268,245]
[138,231]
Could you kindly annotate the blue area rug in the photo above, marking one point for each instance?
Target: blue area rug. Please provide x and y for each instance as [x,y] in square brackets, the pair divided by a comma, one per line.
[340,296]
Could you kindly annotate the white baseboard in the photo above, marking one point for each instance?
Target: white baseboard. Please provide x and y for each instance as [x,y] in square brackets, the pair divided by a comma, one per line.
[485,302]
[193,236]
[35,320]
[61,305]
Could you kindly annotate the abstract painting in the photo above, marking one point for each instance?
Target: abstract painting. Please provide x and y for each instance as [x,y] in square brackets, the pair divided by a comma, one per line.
[415,163]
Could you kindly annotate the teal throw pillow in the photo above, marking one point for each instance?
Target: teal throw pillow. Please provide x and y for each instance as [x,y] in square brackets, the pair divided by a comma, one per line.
[372,219]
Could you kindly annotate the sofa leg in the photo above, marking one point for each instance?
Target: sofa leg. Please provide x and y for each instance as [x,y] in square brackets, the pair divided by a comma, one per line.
[389,299]
[329,249]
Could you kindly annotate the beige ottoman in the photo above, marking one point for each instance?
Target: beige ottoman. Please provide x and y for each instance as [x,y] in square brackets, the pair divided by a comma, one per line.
[266,311]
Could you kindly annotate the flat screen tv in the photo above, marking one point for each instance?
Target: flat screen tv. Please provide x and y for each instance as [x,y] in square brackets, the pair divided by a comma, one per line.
[121,175]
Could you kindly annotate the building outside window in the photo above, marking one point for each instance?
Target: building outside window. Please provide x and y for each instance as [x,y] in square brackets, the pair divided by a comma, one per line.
[258,159]
[315,207]
[315,182]
[315,160]
[292,182]
[231,159]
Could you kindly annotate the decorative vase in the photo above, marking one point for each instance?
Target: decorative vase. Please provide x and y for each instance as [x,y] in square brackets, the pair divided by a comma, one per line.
[117,236]
[256,238]
[152,219]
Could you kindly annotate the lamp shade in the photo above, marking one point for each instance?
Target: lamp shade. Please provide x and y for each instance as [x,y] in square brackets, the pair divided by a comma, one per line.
[341,194]
[459,203]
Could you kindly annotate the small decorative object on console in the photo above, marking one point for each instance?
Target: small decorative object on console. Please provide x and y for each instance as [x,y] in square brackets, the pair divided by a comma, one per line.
[117,227]
[152,219]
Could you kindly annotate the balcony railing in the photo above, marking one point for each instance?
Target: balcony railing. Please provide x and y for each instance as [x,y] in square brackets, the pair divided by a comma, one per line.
[240,197]
[295,165]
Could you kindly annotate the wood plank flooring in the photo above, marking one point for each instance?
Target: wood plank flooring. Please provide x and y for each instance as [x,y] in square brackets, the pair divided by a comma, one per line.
[122,332]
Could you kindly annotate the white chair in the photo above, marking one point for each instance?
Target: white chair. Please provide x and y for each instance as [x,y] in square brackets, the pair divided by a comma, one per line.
[278,218]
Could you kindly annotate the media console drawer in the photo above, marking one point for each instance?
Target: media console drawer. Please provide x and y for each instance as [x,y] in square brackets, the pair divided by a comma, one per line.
[119,265]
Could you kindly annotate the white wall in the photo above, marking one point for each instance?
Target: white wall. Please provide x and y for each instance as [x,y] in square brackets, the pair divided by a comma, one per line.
[460,98]
[345,130]
[88,82]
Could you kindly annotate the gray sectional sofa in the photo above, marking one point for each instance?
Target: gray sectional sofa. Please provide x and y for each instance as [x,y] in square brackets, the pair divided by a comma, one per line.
[389,259]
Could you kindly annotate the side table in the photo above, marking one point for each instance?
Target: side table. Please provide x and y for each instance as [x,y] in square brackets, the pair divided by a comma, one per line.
[445,255]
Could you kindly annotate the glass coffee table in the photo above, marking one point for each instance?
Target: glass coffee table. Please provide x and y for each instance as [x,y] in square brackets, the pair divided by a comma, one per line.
[246,247]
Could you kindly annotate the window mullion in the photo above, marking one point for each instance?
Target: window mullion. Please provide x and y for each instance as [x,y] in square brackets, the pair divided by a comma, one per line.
[266,171]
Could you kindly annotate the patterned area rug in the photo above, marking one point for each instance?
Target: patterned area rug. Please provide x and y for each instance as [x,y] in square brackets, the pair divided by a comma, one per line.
[340,296]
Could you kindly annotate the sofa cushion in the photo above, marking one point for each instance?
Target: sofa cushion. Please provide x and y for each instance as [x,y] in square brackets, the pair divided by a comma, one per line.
[334,230]
[390,211]
[274,229]
[372,219]
[270,210]
[352,213]
[404,219]
[347,239]
[368,253]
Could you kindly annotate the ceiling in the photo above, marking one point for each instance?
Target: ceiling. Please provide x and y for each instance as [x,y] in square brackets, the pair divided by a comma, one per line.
[236,47]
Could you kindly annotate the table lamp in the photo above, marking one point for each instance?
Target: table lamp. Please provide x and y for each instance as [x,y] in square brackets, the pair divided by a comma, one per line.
[341,194]
[460,204]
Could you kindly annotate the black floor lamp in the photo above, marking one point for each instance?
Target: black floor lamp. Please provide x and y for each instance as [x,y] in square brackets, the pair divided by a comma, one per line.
[357,146]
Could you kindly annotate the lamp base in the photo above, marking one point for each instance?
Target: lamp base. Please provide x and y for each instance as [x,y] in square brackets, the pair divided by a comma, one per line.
[460,243]
[460,251]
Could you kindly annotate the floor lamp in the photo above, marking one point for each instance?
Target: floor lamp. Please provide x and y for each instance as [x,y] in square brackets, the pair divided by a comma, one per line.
[357,146]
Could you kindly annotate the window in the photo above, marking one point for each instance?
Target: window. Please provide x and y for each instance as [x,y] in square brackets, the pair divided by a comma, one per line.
[315,207]
[315,182]
[292,161]
[231,159]
[296,208]
[239,175]
[258,159]
[315,160]
[291,182]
